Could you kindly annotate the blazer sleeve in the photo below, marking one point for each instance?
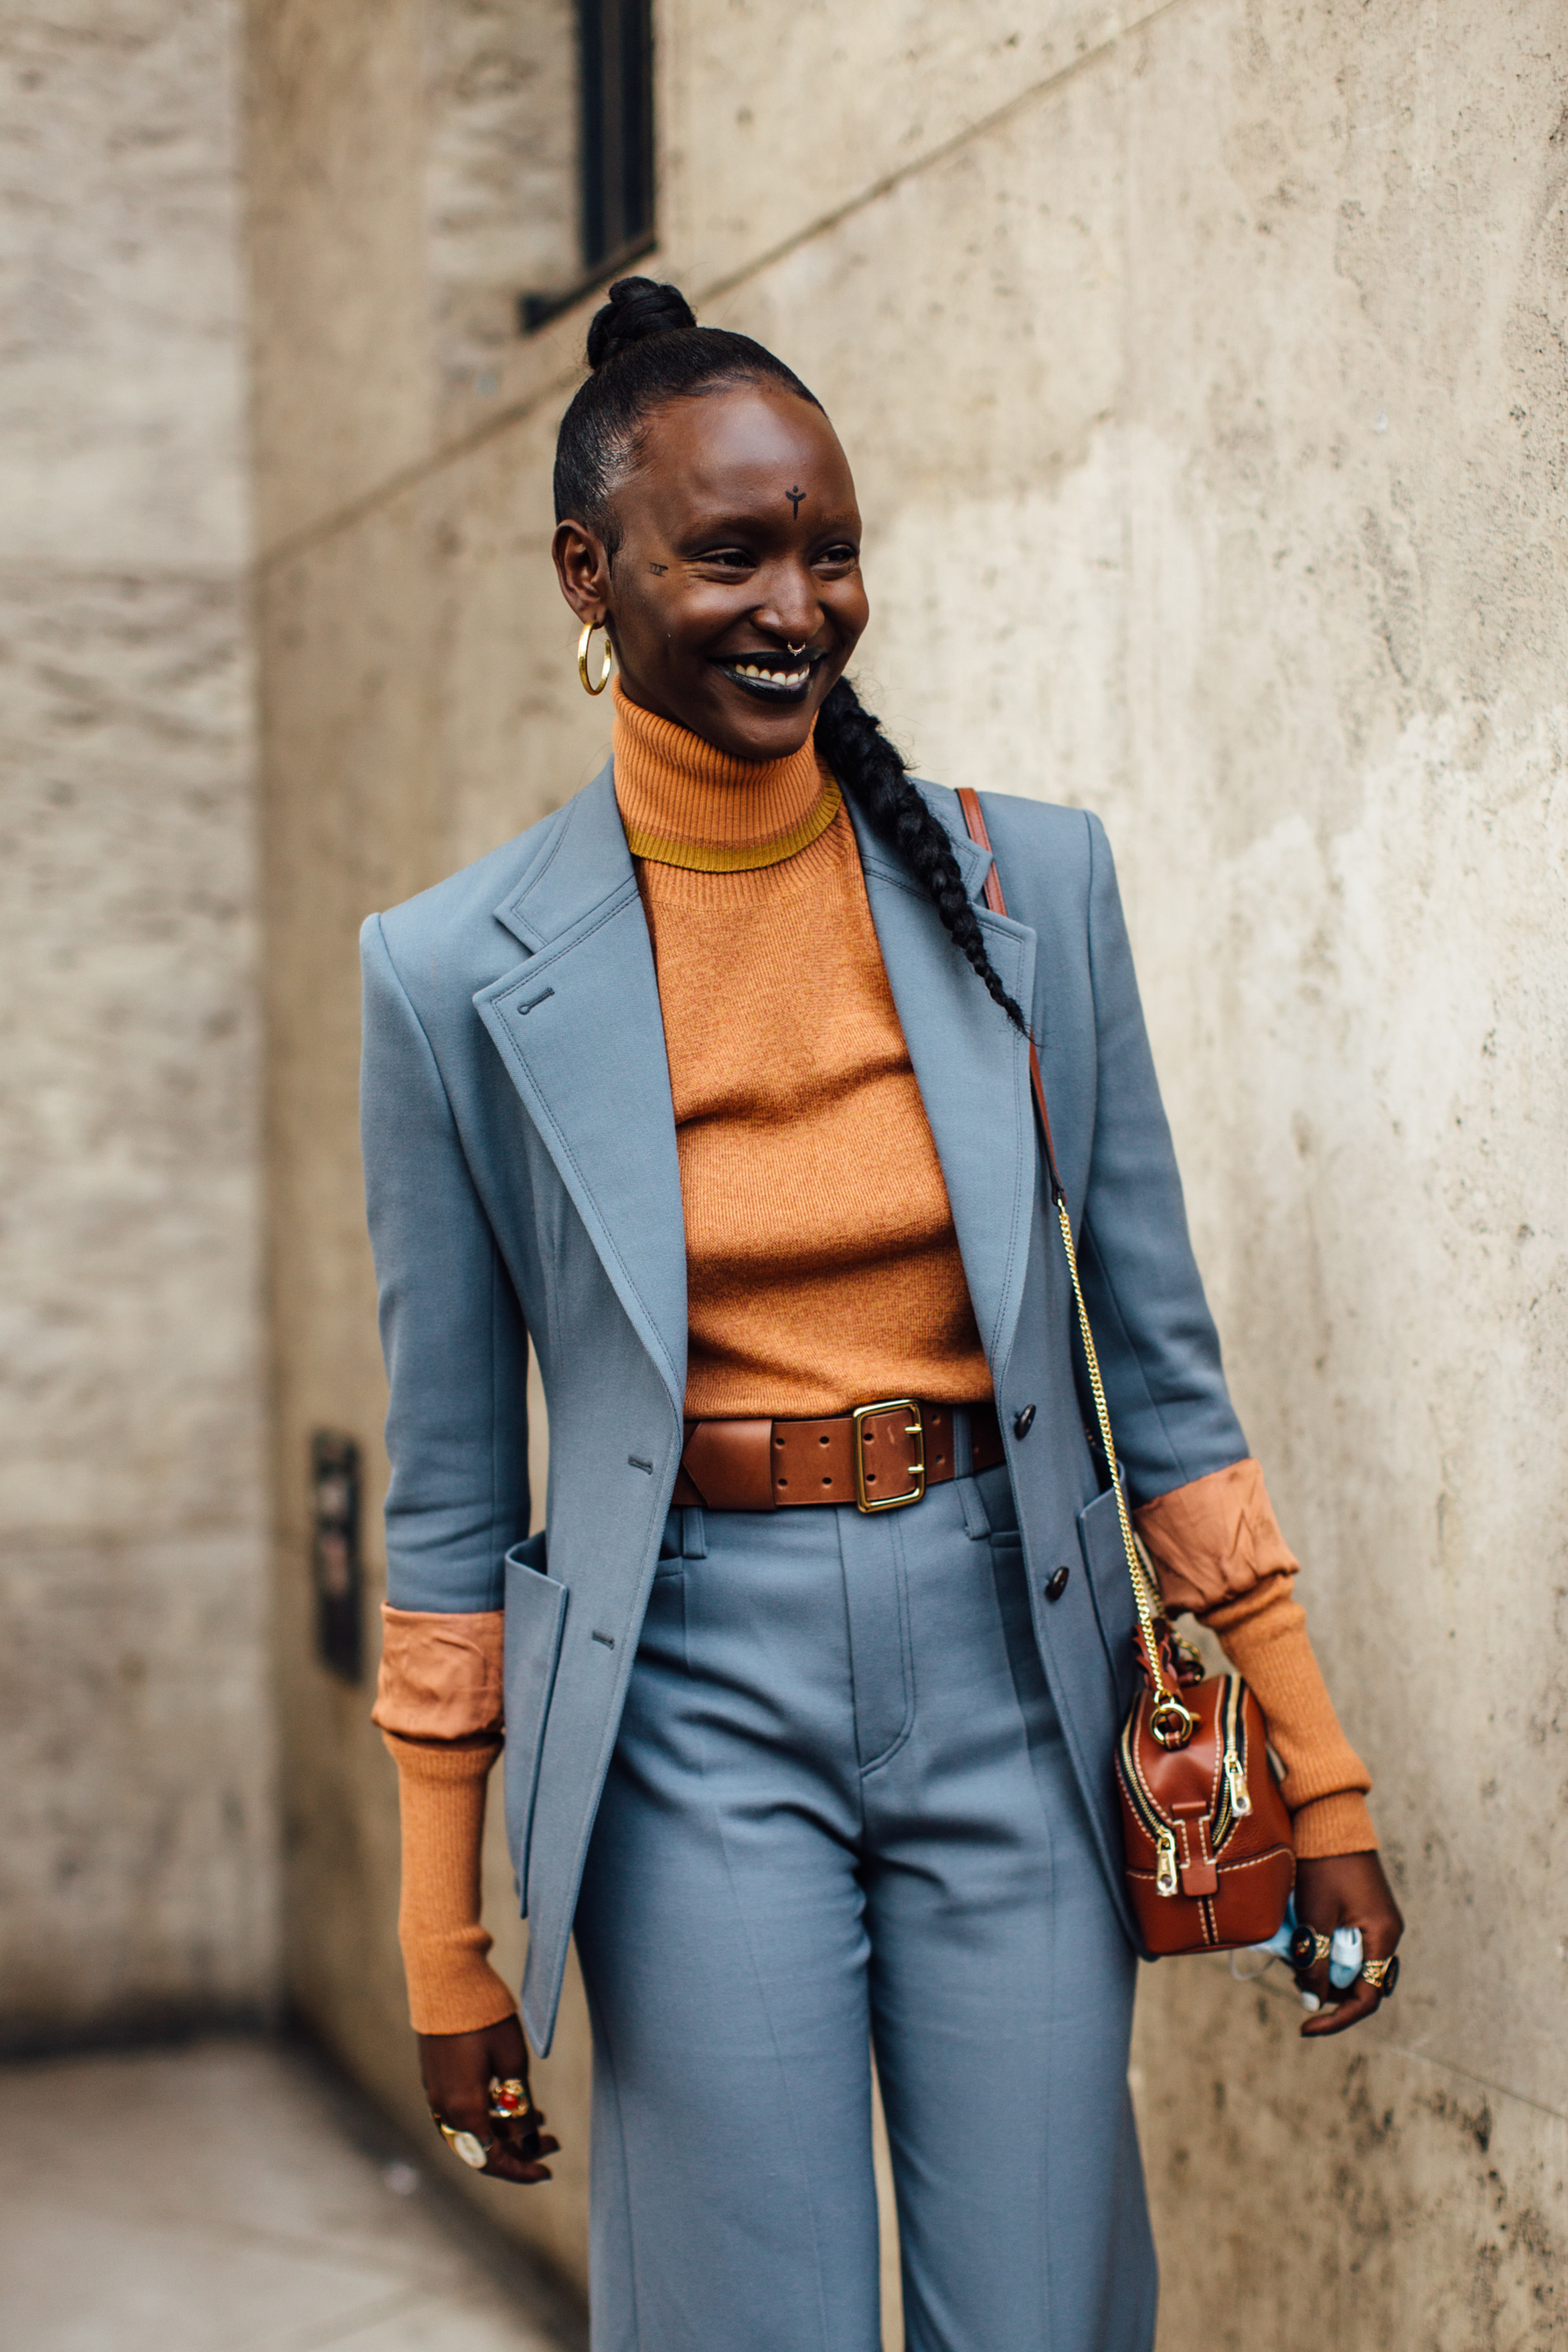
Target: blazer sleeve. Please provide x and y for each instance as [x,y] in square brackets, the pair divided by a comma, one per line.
[452,1328]
[1171,1412]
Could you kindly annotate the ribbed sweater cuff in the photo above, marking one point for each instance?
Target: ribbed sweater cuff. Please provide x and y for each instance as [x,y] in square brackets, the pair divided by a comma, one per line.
[452,1989]
[1331,1826]
[1264,1634]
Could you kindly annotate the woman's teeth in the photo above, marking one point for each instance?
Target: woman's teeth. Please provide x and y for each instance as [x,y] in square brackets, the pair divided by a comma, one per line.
[787,678]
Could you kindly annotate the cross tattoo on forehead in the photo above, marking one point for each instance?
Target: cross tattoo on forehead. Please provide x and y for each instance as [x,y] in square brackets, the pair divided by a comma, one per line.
[794,497]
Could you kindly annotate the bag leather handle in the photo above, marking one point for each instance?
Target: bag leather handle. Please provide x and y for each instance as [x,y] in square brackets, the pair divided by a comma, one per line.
[1171,1722]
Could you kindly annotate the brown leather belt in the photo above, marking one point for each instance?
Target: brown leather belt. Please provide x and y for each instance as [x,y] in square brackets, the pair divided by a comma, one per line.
[877,1457]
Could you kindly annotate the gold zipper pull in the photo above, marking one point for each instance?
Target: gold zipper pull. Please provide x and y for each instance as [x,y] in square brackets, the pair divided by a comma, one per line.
[1165,1866]
[1240,1795]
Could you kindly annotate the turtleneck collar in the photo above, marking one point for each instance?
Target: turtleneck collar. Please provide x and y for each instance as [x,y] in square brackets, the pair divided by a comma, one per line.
[684,803]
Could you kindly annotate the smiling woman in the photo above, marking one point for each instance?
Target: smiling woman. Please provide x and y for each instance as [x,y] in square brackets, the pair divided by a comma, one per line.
[716,1085]
[762,600]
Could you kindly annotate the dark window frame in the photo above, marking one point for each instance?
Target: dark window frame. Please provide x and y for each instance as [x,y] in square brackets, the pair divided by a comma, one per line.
[615,150]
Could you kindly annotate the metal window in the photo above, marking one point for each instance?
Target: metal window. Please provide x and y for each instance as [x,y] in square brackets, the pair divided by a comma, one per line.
[614,149]
[616,41]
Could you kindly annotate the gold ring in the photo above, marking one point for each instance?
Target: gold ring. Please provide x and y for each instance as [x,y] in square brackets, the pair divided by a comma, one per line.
[1309,1946]
[467,2144]
[1381,1975]
[510,2098]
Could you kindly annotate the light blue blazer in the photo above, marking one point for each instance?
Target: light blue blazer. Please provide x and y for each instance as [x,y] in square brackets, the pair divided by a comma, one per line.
[523,1184]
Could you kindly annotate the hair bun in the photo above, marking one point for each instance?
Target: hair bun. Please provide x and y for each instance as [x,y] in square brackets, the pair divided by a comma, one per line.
[636,309]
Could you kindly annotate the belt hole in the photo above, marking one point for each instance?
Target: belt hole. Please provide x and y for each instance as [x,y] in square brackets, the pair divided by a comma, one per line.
[608,1640]
[638,1463]
[822,1441]
[827,1482]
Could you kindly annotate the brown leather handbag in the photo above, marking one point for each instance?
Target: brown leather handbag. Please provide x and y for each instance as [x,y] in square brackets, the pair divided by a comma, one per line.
[1209,1861]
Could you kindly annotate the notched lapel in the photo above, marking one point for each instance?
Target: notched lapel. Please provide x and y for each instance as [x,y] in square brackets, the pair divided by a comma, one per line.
[972,1067]
[579,1028]
[580,857]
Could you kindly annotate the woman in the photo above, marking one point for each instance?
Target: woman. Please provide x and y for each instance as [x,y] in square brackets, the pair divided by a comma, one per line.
[714,1085]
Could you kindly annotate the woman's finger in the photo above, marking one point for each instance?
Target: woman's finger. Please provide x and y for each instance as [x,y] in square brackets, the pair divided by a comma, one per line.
[1345,2011]
[520,2133]
[508,2155]
[1310,1957]
[1344,1891]
[1344,2007]
[518,2123]
[509,2162]
[477,2084]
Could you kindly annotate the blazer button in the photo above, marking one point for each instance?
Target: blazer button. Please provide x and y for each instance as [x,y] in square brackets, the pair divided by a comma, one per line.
[1057,1584]
[1024,1421]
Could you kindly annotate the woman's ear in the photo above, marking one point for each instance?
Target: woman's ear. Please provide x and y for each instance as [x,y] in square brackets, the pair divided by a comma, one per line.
[583,568]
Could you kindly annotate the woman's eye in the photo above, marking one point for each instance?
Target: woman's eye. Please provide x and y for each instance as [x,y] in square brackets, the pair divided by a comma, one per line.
[839,559]
[728,558]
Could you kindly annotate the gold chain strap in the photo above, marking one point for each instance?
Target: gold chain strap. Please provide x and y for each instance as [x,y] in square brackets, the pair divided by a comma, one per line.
[1172,1723]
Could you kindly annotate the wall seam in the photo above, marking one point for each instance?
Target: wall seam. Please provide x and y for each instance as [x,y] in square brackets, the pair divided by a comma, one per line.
[404,479]
[1277,1992]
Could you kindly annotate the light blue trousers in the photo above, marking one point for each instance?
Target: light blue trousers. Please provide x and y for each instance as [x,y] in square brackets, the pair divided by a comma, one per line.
[840,1815]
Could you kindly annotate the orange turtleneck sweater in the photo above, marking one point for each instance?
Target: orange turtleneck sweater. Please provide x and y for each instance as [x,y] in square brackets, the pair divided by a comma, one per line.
[822,1266]
[822,1269]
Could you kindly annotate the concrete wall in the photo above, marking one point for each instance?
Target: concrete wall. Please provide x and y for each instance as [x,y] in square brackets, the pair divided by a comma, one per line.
[394,162]
[1202,367]
[136,1874]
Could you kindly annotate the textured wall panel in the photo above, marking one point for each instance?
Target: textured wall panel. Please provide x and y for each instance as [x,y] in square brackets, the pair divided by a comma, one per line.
[1205,401]
[134,1724]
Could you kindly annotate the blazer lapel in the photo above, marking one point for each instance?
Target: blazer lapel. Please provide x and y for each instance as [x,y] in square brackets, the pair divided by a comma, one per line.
[579,1028]
[973,1070]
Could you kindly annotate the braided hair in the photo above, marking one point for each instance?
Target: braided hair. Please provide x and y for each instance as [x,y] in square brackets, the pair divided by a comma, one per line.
[871,772]
[646,349]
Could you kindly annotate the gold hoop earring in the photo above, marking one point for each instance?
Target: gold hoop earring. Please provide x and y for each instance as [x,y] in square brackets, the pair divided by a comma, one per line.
[583,641]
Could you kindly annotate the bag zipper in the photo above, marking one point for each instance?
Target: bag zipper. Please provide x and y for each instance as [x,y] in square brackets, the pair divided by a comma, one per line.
[1235,1801]
[1160,1831]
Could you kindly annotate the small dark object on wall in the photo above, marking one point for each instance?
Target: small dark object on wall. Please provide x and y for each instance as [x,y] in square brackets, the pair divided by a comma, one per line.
[335,1552]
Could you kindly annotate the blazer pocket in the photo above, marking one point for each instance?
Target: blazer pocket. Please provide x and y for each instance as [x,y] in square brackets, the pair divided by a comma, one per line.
[1110,1589]
[536,1614]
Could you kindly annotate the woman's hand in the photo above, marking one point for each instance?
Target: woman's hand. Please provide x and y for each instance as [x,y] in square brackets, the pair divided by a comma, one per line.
[1345,1890]
[456,2070]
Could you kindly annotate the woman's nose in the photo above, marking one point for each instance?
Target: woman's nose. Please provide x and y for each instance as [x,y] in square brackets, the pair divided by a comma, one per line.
[792,608]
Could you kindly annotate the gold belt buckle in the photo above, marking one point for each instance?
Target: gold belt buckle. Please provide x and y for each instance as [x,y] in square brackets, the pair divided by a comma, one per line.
[915,1428]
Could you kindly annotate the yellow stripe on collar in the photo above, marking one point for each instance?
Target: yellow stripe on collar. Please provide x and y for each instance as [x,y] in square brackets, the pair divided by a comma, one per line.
[697,858]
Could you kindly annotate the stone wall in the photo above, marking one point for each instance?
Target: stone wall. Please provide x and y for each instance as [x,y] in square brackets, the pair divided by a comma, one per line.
[1202,368]
[136,1873]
